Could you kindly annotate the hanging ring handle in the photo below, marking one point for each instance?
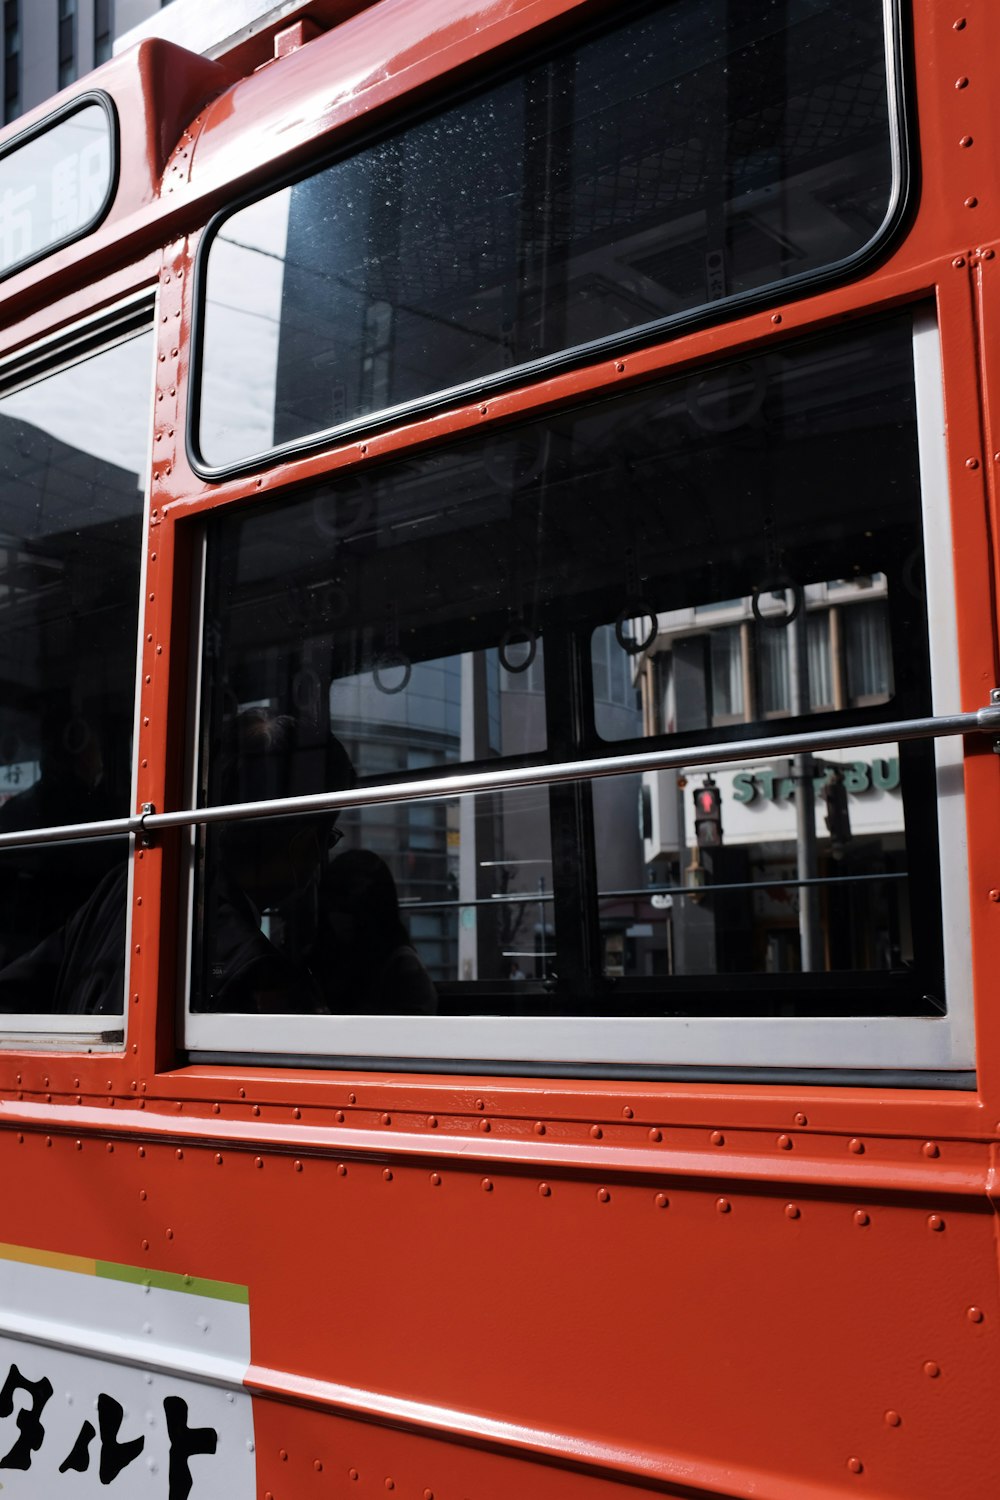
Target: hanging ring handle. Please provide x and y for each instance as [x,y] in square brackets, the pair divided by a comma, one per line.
[391,661]
[517,632]
[639,609]
[778,622]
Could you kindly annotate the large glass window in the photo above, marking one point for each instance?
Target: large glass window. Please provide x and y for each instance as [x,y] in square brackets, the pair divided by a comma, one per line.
[675,570]
[693,153]
[72,475]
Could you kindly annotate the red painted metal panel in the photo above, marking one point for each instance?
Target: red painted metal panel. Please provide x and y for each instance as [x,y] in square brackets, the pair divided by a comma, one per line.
[663,1288]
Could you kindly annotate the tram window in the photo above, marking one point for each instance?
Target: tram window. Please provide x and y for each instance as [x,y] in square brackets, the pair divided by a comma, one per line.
[72,475]
[645,540]
[690,154]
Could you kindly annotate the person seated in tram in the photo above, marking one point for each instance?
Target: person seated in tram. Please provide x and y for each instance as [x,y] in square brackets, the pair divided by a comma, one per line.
[363,957]
[276,867]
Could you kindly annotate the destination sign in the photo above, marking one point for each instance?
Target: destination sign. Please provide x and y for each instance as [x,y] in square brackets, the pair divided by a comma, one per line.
[55,184]
[123,1381]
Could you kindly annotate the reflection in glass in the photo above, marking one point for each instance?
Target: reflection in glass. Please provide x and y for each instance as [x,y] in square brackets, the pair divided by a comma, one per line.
[55,185]
[687,154]
[72,474]
[654,576]
[737,908]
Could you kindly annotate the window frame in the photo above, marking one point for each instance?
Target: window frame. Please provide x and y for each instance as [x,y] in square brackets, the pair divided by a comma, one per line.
[129,318]
[902,144]
[860,1048]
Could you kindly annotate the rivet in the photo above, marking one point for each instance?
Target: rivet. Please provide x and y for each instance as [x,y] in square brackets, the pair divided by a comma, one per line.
[111,1149]
[961,83]
[145,1244]
[480,1103]
[256,1109]
[596,1132]
[785,1142]
[390,1484]
[352,1099]
[141,1151]
[485,1126]
[242,1093]
[965,142]
[428,1495]
[180,1155]
[972,202]
[858,1147]
[995,892]
[661,1200]
[483,410]
[79,1145]
[258,1161]
[603,1196]
[48,1140]
[216,1109]
[318,1465]
[855,1465]
[487,1185]
[723,1205]
[341,1170]
[893,1419]
[861,1218]
[218,1158]
[432,1122]
[792,1210]
[627,1113]
[170,1234]
[972,463]
[935,1222]
[20,1137]
[296,1113]
[543,1188]
[353,1473]
[958,262]
[931,1148]
[656,1135]
[987,254]
[339,1117]
[932,1370]
[717,1138]
[298,1166]
[387,1119]
[974,1314]
[775,317]
[800,1119]
[960,24]
[283,1455]
[387,1174]
[539,1128]
[435,1179]
[142,1195]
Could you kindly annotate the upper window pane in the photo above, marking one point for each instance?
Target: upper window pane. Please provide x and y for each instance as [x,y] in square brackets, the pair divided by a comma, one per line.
[693,154]
[72,474]
[56,185]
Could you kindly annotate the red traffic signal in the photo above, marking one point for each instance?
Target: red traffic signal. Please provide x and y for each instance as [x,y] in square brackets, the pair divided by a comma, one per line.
[707,815]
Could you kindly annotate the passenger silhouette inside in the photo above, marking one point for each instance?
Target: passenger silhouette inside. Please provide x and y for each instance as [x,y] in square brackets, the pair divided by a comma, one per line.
[364,958]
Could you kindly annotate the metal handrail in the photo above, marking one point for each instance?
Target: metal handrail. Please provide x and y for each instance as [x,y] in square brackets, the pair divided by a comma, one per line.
[732,752]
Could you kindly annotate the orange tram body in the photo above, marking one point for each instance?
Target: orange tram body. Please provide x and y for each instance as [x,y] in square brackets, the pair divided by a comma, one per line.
[557,408]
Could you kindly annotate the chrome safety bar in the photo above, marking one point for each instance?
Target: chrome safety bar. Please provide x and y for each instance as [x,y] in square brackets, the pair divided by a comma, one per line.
[687,758]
